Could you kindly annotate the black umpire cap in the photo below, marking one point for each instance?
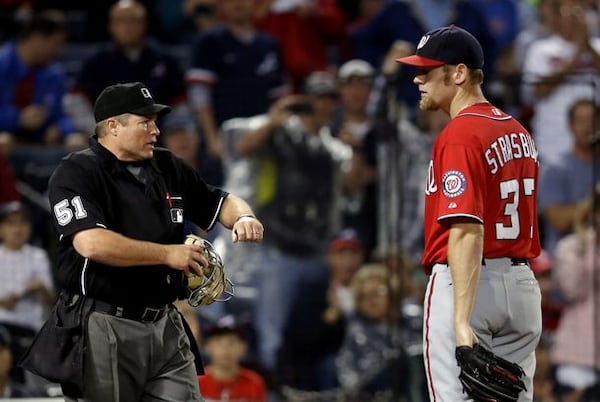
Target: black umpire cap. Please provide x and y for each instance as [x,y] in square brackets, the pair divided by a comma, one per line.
[131,97]
[447,45]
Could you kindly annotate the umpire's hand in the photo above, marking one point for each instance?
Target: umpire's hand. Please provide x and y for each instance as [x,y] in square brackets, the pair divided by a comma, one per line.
[248,229]
[186,257]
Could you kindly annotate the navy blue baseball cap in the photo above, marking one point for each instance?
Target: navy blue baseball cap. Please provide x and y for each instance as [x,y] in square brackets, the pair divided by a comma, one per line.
[131,97]
[446,45]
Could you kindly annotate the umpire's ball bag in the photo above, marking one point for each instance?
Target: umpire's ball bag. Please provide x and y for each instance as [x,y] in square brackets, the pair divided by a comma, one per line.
[56,352]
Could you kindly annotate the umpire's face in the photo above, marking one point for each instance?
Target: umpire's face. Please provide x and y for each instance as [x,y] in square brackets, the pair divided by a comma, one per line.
[132,137]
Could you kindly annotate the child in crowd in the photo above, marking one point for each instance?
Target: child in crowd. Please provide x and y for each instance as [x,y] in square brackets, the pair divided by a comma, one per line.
[26,285]
[225,379]
[24,270]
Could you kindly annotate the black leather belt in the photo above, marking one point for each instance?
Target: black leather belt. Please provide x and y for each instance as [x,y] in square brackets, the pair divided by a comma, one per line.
[137,313]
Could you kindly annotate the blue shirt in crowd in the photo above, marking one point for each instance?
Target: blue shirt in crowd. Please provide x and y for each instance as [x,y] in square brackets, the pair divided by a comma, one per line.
[22,86]
[245,76]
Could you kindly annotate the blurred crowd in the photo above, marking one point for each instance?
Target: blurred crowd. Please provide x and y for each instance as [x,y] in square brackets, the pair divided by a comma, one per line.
[299,107]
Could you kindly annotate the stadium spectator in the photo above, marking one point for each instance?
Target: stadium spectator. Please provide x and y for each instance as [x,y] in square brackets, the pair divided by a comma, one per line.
[225,379]
[354,126]
[577,268]
[307,31]
[569,178]
[371,360]
[323,88]
[316,324]
[542,26]
[26,285]
[129,57]
[559,70]
[33,85]
[236,71]
[300,181]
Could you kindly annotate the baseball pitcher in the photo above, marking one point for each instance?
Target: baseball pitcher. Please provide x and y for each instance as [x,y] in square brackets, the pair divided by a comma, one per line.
[482,306]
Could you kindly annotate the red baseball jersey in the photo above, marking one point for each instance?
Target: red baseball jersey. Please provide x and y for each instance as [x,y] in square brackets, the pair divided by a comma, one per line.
[247,387]
[484,166]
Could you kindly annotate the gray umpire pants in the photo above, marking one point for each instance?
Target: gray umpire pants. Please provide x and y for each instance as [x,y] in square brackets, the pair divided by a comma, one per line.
[127,361]
[506,318]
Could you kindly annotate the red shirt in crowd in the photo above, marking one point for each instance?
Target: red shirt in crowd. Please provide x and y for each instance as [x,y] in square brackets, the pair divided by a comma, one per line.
[247,387]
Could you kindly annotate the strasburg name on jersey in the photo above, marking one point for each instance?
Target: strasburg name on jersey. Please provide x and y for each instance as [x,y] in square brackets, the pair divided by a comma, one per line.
[484,167]
[508,147]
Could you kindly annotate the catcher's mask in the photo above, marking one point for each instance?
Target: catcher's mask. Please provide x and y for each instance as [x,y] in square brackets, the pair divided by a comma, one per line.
[214,285]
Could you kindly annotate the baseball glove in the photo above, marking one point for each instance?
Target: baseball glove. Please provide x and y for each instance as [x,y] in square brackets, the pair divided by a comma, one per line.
[486,377]
[207,289]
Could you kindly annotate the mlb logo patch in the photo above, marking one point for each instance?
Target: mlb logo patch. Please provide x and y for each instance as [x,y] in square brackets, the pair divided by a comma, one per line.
[454,183]
[176,215]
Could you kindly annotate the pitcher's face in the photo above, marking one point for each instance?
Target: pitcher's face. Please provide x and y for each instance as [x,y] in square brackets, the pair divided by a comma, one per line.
[435,87]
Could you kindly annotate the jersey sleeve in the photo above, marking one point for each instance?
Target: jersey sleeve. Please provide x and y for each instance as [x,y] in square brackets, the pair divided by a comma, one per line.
[462,183]
[74,200]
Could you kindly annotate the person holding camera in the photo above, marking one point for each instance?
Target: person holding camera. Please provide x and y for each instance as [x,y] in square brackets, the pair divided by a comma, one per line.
[301,168]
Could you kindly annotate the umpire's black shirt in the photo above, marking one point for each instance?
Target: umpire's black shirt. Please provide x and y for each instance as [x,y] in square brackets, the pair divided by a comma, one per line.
[93,189]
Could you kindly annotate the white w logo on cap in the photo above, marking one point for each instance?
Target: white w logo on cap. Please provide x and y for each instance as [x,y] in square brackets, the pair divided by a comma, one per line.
[146,93]
[423,41]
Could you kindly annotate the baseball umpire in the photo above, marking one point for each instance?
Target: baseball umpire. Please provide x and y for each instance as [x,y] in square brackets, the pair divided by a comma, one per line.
[119,208]
[482,305]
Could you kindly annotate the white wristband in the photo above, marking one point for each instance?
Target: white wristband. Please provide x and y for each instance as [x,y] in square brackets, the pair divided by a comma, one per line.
[245,216]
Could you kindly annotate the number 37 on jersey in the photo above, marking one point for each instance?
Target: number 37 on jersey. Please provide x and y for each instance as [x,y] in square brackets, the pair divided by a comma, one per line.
[500,192]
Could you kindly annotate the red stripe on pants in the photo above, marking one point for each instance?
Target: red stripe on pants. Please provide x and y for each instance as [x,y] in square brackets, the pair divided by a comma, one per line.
[427,357]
